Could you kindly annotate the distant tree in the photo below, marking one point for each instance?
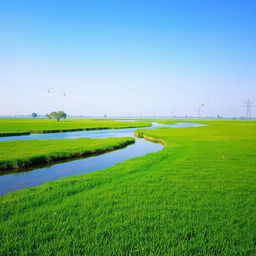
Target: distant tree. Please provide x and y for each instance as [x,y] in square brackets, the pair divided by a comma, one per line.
[64,115]
[58,115]
[48,116]
[105,116]
[34,115]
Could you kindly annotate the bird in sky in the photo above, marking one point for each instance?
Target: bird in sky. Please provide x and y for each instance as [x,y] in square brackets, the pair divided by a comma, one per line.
[49,90]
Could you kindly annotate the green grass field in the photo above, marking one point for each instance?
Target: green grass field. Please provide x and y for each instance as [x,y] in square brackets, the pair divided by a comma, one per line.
[26,126]
[195,197]
[18,154]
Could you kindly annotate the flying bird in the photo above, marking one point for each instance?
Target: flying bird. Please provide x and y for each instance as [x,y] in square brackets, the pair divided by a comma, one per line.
[49,90]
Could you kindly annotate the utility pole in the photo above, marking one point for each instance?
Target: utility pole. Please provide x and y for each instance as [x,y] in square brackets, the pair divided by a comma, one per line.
[200,106]
[248,106]
[199,111]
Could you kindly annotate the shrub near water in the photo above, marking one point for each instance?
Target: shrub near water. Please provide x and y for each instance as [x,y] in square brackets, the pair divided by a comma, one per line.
[195,197]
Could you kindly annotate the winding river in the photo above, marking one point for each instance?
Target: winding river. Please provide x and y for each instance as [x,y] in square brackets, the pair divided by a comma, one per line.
[12,181]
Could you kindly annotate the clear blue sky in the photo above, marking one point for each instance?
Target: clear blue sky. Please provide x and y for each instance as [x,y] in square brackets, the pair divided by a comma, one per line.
[127,57]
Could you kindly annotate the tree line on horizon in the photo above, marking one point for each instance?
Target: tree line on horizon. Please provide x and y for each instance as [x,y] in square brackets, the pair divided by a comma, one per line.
[53,115]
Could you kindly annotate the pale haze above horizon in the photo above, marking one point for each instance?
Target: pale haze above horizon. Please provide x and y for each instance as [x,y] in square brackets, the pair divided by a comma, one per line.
[121,58]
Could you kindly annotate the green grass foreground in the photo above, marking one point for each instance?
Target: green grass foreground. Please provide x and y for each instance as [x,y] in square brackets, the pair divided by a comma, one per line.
[195,197]
[27,153]
[9,127]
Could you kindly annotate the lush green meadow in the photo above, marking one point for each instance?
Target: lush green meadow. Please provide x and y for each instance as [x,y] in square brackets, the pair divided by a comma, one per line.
[26,126]
[195,197]
[26,153]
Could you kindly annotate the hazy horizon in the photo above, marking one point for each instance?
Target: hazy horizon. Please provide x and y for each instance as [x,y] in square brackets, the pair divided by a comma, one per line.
[123,58]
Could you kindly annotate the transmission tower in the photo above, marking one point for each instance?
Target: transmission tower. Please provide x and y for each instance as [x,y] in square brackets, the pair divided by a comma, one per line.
[248,106]
[200,106]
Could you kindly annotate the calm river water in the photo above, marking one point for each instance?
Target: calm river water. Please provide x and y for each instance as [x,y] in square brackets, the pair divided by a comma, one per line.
[11,181]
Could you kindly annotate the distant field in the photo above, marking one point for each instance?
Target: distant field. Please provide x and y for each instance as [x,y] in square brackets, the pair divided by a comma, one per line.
[26,126]
[17,154]
[195,197]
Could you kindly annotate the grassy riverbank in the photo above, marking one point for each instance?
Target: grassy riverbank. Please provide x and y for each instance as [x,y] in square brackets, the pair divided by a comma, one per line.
[195,197]
[9,127]
[17,154]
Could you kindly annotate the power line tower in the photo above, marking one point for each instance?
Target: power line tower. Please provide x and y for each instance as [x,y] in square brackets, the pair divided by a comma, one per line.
[248,106]
[200,106]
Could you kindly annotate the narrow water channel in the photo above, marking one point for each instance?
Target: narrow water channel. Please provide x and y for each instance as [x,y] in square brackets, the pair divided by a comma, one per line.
[12,181]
